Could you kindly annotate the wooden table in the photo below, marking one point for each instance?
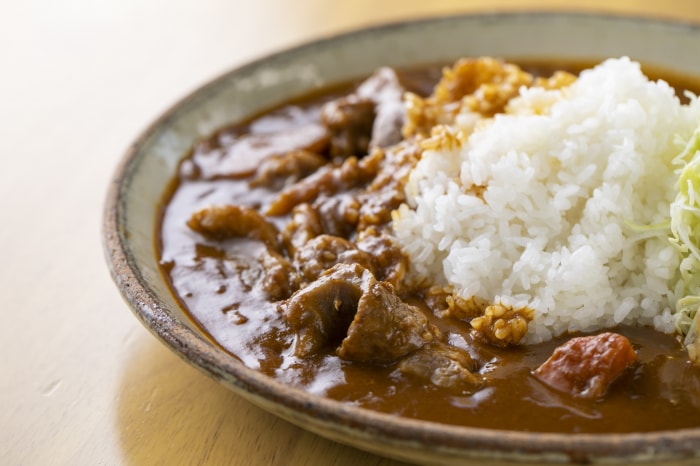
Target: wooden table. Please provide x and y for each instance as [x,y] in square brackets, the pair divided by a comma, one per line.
[82,382]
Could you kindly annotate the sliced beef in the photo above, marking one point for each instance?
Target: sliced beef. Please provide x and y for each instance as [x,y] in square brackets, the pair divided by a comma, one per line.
[386,192]
[347,306]
[304,225]
[385,328]
[234,221]
[386,130]
[242,156]
[442,365]
[278,171]
[390,263]
[280,279]
[339,214]
[586,366]
[328,180]
[331,215]
[371,118]
[325,251]
[386,91]
[320,313]
[349,122]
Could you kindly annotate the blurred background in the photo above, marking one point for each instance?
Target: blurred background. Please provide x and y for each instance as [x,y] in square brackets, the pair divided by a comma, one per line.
[82,381]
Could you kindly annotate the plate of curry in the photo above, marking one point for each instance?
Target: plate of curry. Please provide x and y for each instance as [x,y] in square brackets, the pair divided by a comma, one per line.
[249,228]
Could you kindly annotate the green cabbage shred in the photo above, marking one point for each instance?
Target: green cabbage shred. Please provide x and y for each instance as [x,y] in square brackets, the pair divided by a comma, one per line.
[685,234]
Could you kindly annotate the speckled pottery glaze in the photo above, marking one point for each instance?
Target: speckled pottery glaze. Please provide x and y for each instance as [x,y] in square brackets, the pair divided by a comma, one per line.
[150,163]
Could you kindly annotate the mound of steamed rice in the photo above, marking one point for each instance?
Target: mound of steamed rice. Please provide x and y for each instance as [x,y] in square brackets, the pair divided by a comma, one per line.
[551,205]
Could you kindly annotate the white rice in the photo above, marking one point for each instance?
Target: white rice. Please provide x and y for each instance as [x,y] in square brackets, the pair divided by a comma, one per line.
[566,172]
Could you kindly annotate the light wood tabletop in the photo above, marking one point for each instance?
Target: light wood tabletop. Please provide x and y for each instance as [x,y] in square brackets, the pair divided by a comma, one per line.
[81,381]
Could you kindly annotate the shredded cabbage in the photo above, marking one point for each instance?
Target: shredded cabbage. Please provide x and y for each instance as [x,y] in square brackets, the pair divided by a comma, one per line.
[685,230]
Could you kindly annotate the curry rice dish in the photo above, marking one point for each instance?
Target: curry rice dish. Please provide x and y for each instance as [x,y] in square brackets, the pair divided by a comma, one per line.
[492,245]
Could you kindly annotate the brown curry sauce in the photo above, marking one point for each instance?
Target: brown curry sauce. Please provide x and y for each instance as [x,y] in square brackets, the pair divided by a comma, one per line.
[215,283]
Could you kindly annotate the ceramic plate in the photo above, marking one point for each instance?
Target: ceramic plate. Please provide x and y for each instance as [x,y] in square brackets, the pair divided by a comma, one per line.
[141,179]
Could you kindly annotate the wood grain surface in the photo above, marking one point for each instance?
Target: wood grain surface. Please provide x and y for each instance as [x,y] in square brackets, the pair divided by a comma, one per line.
[82,382]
